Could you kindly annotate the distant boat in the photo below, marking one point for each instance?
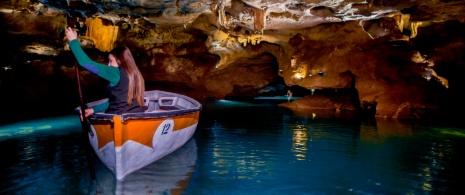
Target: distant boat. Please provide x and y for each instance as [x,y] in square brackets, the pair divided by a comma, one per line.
[128,142]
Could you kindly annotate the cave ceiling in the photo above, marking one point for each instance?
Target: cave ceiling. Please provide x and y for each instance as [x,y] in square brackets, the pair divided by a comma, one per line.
[273,14]
[248,16]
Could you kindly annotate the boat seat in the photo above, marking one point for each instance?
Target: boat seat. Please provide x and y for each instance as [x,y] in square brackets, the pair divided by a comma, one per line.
[168,103]
[152,104]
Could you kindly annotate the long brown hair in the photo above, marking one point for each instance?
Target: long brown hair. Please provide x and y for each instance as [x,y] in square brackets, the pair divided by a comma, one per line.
[136,86]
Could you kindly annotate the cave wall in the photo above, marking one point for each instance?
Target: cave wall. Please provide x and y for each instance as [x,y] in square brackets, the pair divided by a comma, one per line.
[405,69]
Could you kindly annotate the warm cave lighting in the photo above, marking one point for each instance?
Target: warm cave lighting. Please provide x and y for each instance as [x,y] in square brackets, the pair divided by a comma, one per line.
[57,125]
[103,36]
[41,50]
[6,10]
[298,75]
[414,28]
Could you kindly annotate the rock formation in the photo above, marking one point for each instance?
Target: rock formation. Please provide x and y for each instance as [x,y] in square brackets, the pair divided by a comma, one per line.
[399,59]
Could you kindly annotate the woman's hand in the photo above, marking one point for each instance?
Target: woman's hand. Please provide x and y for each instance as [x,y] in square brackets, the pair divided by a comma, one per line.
[70,34]
[88,112]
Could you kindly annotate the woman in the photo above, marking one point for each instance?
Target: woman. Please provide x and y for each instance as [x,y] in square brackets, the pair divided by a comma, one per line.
[126,88]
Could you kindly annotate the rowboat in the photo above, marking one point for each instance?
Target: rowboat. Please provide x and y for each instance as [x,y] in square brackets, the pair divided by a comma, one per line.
[130,141]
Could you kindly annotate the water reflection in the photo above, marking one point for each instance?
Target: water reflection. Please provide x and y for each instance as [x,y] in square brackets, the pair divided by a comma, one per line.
[381,129]
[57,125]
[299,144]
[427,157]
[236,155]
[169,175]
[433,163]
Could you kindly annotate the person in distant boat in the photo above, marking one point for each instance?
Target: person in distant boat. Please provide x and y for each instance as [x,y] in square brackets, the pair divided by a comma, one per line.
[126,86]
[289,95]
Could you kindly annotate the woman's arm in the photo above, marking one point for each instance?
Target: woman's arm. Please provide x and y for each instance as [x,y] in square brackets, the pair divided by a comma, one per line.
[108,73]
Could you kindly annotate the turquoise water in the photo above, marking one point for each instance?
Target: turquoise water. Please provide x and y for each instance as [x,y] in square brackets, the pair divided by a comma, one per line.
[247,148]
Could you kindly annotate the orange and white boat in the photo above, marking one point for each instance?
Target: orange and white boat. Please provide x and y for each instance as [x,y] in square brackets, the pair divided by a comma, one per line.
[128,142]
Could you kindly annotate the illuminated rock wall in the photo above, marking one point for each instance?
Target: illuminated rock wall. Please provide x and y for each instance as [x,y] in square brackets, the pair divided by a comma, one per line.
[103,36]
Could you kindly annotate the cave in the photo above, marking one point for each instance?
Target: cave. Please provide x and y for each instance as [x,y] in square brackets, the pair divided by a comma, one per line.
[405,58]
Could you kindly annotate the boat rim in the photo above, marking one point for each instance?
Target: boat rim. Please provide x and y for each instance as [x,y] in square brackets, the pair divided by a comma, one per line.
[143,115]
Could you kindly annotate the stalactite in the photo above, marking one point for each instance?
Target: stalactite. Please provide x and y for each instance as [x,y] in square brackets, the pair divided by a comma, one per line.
[444,82]
[414,28]
[399,22]
[221,15]
[103,36]
[259,19]
[404,22]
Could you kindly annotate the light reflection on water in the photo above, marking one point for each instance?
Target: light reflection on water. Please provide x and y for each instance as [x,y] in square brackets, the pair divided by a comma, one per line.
[244,148]
[57,125]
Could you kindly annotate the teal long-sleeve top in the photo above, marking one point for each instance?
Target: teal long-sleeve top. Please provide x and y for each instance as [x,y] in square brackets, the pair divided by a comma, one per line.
[106,72]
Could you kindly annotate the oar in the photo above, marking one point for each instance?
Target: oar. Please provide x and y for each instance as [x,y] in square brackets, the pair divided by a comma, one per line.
[85,125]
